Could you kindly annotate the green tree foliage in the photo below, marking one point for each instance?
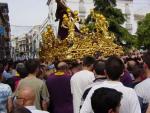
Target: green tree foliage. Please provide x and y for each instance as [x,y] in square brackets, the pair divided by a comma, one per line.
[115,17]
[143,32]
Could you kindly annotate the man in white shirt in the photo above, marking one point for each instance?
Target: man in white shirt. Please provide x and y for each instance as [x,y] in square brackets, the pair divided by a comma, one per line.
[26,98]
[100,77]
[114,69]
[81,80]
[143,89]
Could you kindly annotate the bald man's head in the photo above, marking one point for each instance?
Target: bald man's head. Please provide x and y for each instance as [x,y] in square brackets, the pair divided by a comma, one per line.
[27,94]
[62,66]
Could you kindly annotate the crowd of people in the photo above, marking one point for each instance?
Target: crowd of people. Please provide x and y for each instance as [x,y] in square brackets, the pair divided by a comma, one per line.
[89,85]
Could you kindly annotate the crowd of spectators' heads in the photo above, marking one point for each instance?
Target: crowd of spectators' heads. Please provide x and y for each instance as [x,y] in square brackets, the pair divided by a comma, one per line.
[100,85]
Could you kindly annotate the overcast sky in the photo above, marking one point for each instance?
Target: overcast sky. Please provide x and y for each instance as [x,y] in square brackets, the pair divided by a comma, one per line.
[141,6]
[26,13]
[34,12]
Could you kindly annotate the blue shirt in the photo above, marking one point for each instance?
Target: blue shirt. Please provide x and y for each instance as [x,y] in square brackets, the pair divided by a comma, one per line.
[5,92]
[7,75]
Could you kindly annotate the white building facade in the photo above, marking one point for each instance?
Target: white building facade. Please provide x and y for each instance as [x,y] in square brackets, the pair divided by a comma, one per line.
[83,6]
[128,7]
[135,10]
[13,44]
[26,46]
[34,42]
[141,8]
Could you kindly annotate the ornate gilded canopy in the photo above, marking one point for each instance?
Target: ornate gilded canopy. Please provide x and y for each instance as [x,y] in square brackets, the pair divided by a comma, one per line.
[77,45]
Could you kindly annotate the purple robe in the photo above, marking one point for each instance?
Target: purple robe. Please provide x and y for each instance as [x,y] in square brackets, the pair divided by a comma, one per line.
[60,93]
[126,78]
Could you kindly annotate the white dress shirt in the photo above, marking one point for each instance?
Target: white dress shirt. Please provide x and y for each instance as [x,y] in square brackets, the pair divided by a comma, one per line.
[143,90]
[34,110]
[129,102]
[79,82]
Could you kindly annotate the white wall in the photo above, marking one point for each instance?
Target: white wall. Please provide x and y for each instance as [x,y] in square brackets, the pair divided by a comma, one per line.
[140,7]
[127,8]
[74,5]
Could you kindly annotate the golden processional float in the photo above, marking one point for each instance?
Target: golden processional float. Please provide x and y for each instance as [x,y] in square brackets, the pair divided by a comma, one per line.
[77,45]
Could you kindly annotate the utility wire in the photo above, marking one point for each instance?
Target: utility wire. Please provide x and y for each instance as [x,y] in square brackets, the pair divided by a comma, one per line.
[20,26]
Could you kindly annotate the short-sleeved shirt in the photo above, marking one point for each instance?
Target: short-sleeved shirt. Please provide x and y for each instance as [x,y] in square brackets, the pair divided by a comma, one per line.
[129,102]
[7,75]
[38,86]
[5,92]
[97,81]
[143,90]
[79,82]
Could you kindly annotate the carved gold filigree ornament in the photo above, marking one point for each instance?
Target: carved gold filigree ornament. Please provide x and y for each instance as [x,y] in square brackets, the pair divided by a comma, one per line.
[52,47]
[78,45]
